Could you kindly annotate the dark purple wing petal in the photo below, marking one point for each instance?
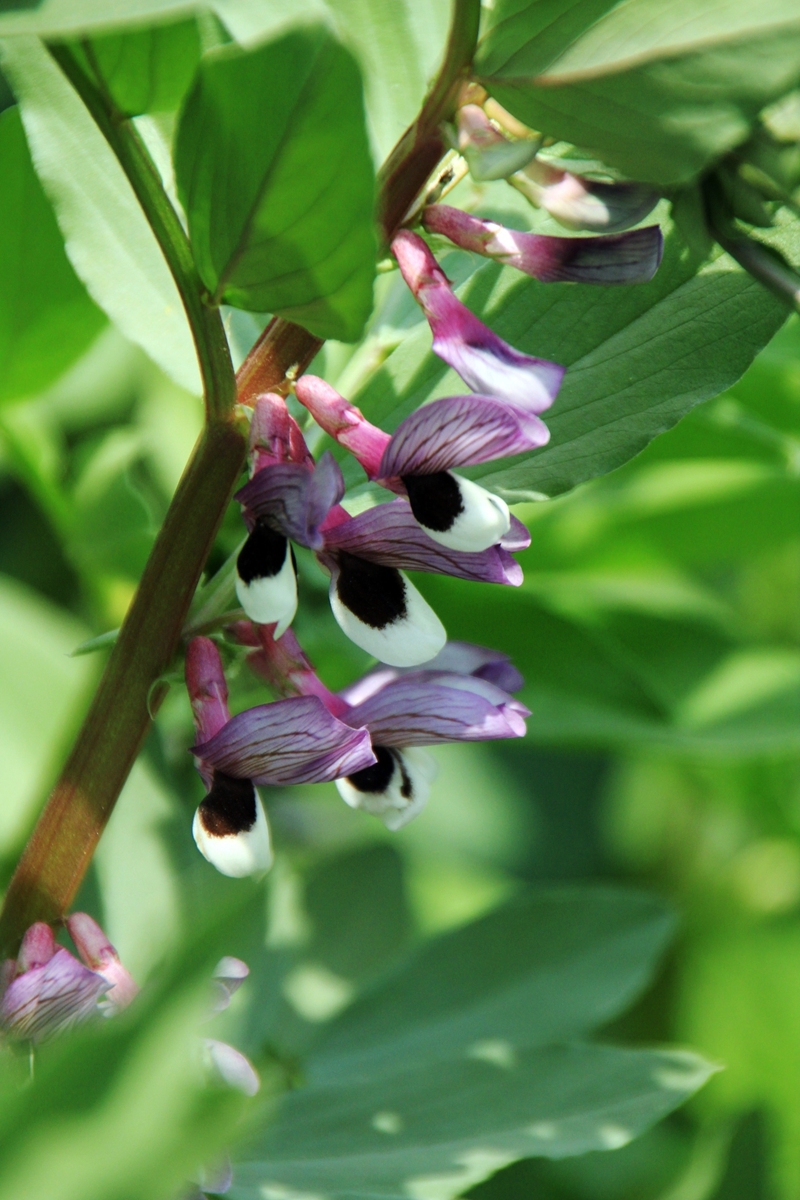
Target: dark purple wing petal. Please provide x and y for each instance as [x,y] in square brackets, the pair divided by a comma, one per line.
[294,498]
[463,658]
[459,431]
[616,258]
[389,534]
[423,708]
[291,741]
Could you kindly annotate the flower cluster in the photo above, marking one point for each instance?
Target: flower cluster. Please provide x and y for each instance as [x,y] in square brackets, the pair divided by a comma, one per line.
[370,738]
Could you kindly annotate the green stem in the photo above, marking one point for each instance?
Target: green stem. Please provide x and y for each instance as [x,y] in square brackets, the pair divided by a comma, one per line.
[416,155]
[213,355]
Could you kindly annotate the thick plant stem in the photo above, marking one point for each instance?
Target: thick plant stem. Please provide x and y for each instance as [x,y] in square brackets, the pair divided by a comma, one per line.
[61,847]
[415,156]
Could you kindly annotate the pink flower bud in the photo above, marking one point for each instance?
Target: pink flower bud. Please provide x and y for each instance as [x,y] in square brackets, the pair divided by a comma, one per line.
[98,953]
[488,153]
[343,421]
[275,436]
[208,691]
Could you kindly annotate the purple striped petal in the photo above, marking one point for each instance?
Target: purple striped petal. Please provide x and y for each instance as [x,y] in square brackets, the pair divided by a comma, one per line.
[389,534]
[50,998]
[296,499]
[422,708]
[290,741]
[463,658]
[618,258]
[460,431]
[517,538]
[484,361]
[457,658]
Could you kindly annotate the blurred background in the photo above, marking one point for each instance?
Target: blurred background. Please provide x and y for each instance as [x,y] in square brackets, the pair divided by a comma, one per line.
[658,631]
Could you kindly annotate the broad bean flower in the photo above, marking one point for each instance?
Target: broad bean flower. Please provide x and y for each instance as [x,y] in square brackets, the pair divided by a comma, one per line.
[296,740]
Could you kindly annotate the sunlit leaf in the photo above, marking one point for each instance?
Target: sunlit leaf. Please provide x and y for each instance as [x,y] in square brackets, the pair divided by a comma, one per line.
[46,318]
[108,239]
[658,89]
[276,177]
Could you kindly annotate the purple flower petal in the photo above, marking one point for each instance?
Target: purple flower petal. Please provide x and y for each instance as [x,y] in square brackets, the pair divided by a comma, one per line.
[50,998]
[296,499]
[290,741]
[582,203]
[422,708]
[460,431]
[618,258]
[484,361]
[231,1067]
[389,534]
[463,658]
[517,538]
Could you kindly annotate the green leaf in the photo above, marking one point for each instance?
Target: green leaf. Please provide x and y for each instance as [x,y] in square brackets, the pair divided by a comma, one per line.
[46,318]
[454,1066]
[638,358]
[398,47]
[275,174]
[49,18]
[658,89]
[144,70]
[429,1132]
[40,678]
[108,239]
[540,969]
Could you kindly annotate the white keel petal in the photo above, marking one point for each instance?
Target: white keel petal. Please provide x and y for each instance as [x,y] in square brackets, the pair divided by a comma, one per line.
[396,789]
[247,852]
[413,638]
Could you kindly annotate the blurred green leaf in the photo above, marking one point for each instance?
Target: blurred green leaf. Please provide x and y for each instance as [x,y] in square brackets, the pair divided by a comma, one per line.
[52,17]
[144,70]
[38,678]
[108,239]
[639,358]
[451,1068]
[112,528]
[46,318]
[736,1000]
[658,89]
[275,174]
[542,968]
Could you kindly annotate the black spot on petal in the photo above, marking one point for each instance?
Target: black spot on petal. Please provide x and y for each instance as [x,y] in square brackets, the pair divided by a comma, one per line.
[230,806]
[373,593]
[377,777]
[262,555]
[435,500]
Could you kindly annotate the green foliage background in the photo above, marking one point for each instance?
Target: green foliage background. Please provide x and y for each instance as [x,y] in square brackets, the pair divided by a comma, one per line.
[658,630]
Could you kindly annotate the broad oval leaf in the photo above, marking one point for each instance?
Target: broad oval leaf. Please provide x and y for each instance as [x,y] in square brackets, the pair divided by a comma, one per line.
[542,968]
[143,70]
[430,1132]
[275,175]
[455,1065]
[659,89]
[46,317]
[107,237]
